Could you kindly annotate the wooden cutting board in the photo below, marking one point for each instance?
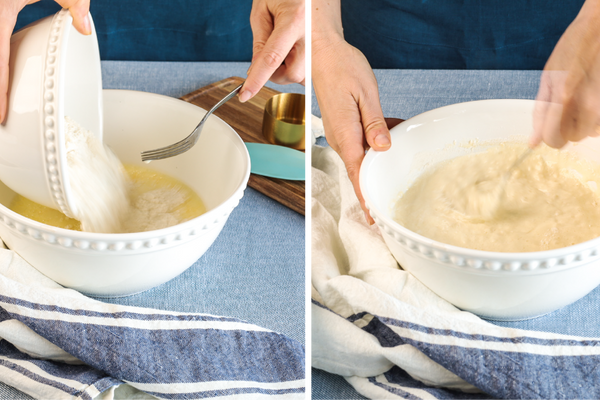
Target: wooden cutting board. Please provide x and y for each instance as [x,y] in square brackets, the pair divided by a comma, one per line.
[246,119]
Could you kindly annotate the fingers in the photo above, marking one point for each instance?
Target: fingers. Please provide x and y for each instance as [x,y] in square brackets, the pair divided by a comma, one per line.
[581,112]
[278,45]
[564,110]
[79,10]
[8,15]
[550,132]
[548,110]
[344,130]
[540,110]
[578,120]
[293,69]
[4,73]
[350,145]
[375,127]
[353,131]
[267,61]
[262,24]
[348,97]
[568,106]
[377,136]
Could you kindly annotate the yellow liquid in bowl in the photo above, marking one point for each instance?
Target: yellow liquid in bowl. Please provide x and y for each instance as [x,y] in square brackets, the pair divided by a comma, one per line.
[172,203]
[45,215]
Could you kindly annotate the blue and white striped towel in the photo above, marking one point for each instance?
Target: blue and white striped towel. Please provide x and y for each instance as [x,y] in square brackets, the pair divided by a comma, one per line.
[57,344]
[391,337]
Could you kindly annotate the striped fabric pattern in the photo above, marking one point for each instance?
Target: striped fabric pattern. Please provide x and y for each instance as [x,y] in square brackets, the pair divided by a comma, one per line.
[57,343]
[494,362]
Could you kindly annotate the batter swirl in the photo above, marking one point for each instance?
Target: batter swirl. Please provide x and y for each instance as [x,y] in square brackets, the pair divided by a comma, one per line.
[550,201]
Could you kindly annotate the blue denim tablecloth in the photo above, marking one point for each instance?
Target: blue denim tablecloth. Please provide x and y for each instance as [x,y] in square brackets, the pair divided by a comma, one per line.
[255,269]
[405,93]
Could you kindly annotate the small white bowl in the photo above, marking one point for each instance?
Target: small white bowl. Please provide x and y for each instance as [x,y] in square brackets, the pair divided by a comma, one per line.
[54,71]
[494,285]
[217,168]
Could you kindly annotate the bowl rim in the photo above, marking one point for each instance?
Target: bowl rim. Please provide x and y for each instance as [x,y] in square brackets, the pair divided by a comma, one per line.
[52,110]
[205,221]
[390,226]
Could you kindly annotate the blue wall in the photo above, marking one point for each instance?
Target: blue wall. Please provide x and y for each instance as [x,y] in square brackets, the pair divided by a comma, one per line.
[172,30]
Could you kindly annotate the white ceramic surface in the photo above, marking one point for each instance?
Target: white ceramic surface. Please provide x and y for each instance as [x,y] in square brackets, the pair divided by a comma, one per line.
[217,168]
[500,286]
[54,72]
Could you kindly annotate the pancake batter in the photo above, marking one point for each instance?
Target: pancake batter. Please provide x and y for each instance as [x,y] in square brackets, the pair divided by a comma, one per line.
[550,201]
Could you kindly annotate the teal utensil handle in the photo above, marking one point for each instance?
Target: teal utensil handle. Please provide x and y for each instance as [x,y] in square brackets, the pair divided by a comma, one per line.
[276,161]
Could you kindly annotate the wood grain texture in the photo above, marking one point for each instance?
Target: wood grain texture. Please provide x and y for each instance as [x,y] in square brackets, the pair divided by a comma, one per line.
[246,119]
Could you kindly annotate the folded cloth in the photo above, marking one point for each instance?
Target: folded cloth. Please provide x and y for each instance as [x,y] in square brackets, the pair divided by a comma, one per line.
[391,337]
[57,343]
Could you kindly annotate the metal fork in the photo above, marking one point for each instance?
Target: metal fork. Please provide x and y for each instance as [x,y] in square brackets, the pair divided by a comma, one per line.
[184,145]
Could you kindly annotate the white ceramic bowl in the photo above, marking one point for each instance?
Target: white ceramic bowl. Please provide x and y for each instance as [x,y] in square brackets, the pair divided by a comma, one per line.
[54,71]
[217,168]
[494,285]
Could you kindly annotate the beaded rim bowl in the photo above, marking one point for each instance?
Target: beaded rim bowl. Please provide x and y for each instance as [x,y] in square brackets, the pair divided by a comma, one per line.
[54,72]
[102,264]
[491,284]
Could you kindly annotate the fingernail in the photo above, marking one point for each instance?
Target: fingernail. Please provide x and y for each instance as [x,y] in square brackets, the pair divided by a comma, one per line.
[245,96]
[382,140]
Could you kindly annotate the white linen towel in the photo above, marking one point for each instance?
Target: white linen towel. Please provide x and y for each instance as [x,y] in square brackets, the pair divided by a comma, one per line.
[56,343]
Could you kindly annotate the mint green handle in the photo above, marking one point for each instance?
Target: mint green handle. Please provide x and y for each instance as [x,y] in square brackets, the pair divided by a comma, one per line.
[276,161]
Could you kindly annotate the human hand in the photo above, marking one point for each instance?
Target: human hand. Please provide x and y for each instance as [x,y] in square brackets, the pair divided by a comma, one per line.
[9,9]
[568,102]
[348,97]
[278,48]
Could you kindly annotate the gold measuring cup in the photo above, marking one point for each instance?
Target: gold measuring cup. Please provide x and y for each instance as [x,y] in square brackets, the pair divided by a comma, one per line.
[283,120]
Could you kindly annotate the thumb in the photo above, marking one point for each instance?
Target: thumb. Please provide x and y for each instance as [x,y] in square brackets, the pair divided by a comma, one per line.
[79,10]
[375,127]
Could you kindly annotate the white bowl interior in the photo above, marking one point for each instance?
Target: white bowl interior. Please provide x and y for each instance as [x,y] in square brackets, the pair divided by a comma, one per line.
[216,168]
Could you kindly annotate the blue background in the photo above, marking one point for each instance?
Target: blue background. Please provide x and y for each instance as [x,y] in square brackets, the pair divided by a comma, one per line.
[174,30]
[457,34]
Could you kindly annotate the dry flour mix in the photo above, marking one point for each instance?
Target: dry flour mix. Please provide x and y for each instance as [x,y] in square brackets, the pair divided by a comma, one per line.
[110,198]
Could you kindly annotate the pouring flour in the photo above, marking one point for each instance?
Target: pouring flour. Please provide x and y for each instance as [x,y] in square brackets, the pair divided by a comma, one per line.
[97,179]
[110,198]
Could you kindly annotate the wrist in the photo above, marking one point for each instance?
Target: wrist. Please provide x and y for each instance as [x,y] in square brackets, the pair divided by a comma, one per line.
[326,22]
[324,42]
